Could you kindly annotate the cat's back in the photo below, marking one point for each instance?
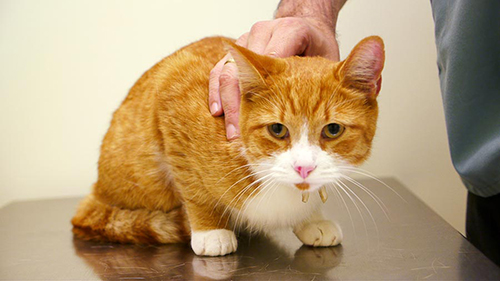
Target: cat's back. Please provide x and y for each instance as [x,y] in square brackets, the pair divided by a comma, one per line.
[190,64]
[172,94]
[184,76]
[192,61]
[182,87]
[178,84]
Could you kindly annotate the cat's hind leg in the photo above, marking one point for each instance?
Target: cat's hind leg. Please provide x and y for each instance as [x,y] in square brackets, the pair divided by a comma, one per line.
[98,221]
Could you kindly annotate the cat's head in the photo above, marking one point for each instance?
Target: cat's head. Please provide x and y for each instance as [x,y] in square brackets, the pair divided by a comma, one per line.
[305,120]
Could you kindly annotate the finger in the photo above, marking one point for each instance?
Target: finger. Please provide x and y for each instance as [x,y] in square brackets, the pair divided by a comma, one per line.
[230,98]
[243,40]
[331,52]
[259,36]
[286,43]
[214,100]
[326,46]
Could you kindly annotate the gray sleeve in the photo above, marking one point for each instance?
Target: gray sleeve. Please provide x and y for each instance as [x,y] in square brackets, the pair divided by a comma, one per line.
[468,46]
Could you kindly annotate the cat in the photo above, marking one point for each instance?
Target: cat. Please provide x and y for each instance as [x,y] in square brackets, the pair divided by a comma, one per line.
[167,174]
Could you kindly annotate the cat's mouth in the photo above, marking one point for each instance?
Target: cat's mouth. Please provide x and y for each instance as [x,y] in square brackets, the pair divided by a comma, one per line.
[305,194]
[302,186]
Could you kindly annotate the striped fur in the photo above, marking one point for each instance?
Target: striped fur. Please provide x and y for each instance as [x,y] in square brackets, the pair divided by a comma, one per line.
[167,173]
[97,221]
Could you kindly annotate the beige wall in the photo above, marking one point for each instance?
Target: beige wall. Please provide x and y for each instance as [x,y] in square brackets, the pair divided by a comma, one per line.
[66,65]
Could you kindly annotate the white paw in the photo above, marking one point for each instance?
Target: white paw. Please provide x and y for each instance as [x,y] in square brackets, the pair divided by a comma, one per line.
[217,242]
[320,234]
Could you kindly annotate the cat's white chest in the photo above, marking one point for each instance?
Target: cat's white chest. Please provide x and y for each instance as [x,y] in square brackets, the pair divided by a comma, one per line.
[278,206]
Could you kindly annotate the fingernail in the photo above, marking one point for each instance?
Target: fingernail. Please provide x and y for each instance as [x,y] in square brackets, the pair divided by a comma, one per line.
[273,54]
[214,108]
[231,132]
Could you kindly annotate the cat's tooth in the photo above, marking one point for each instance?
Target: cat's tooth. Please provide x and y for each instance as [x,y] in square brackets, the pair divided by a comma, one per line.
[322,194]
[305,196]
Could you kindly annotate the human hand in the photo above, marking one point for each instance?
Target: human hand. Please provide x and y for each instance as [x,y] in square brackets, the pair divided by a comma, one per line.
[281,37]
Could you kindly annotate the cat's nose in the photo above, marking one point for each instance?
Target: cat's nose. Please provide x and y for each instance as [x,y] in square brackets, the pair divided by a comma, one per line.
[304,171]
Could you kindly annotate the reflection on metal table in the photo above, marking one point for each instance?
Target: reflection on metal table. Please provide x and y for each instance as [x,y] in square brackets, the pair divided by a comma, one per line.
[410,242]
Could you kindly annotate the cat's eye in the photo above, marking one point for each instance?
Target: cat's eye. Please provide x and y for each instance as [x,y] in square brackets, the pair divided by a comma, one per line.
[332,131]
[278,130]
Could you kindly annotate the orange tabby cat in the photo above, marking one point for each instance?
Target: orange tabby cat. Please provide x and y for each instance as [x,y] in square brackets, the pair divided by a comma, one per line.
[167,173]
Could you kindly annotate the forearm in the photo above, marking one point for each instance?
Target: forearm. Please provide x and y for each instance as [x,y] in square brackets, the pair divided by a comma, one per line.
[324,10]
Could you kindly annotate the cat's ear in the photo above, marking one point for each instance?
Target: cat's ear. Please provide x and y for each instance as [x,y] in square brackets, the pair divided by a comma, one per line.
[362,69]
[253,69]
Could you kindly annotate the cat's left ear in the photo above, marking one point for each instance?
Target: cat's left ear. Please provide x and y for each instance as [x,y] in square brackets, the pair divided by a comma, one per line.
[253,69]
[362,69]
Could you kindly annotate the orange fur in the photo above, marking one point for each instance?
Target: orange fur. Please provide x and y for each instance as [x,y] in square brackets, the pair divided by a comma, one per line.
[166,168]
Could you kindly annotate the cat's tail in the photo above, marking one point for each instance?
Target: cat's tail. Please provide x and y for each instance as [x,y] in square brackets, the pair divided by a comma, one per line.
[97,221]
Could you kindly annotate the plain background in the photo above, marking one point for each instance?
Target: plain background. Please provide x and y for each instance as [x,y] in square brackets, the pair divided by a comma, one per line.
[66,66]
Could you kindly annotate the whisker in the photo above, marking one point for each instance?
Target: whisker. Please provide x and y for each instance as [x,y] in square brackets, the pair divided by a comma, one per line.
[333,186]
[240,194]
[371,176]
[342,186]
[375,198]
[274,187]
[363,203]
[240,180]
[236,225]
[241,167]
[271,187]
[245,205]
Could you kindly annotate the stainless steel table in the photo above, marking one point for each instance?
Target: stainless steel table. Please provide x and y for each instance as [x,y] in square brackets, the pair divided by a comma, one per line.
[410,243]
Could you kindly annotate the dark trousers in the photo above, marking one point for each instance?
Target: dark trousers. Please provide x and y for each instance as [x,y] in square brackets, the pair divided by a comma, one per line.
[483,224]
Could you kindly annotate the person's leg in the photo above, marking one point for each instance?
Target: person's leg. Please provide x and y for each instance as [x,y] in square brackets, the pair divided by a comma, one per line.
[483,224]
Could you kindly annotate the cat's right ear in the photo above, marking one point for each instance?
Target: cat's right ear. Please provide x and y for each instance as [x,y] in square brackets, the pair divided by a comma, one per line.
[254,70]
[362,69]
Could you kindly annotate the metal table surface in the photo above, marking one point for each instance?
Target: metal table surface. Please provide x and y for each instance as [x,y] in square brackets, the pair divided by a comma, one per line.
[411,243]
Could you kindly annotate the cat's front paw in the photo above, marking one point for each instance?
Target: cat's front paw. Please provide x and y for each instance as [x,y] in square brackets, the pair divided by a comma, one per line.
[319,234]
[217,242]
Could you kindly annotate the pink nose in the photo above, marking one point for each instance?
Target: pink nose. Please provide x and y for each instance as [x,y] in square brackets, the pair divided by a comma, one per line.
[304,171]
